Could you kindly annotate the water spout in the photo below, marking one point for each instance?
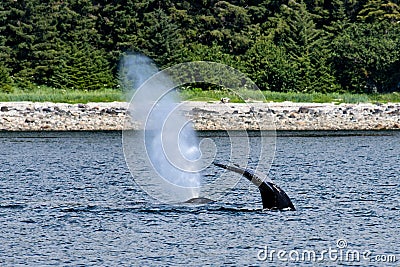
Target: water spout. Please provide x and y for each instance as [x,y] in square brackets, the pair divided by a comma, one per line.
[170,141]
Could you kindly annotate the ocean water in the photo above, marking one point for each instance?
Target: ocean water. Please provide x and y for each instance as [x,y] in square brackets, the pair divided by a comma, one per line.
[68,199]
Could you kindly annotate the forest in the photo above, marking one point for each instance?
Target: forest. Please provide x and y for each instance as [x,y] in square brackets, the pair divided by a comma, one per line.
[283,46]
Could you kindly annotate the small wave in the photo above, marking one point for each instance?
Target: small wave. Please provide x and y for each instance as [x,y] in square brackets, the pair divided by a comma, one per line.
[28,221]
[237,209]
[12,206]
[137,207]
[88,208]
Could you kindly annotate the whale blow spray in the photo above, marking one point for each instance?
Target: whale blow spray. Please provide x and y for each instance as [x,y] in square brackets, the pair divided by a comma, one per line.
[171,144]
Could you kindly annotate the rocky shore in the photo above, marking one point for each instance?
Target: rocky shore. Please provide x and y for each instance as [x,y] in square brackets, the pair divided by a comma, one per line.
[29,116]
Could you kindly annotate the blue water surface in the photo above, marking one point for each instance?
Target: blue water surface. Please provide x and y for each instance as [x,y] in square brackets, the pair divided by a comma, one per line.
[68,199]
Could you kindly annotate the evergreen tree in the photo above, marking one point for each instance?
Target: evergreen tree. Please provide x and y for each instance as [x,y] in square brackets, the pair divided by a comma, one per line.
[296,31]
[4,49]
[319,44]
[378,10]
[159,38]
[45,49]
[270,67]
[118,25]
[31,28]
[320,10]
[83,62]
[368,57]
[83,67]
[20,36]
[233,22]
[353,7]
[213,53]
[77,21]
[5,80]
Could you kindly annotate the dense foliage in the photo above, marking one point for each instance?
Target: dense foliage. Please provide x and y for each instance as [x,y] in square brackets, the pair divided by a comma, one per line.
[284,46]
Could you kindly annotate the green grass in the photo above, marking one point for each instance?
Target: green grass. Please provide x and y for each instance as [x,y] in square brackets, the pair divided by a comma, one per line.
[248,95]
[47,94]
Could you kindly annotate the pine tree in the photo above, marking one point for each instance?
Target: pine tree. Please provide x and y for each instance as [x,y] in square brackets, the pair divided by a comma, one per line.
[270,67]
[20,36]
[233,22]
[353,8]
[45,49]
[83,67]
[159,38]
[368,57]
[31,32]
[4,49]
[77,21]
[83,64]
[118,25]
[5,80]
[296,31]
[378,10]
[77,43]
[319,9]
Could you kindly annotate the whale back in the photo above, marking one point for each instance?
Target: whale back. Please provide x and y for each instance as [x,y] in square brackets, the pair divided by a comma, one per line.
[272,196]
[199,200]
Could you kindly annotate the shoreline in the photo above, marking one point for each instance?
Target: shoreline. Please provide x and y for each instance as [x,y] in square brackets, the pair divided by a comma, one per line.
[282,116]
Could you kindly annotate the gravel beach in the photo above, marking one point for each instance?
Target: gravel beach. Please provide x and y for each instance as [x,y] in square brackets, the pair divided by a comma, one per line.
[33,116]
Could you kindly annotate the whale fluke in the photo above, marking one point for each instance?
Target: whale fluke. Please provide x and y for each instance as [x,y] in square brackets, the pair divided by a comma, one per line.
[273,197]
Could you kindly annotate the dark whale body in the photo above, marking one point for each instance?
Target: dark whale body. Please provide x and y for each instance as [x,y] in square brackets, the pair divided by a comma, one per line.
[273,197]
[199,200]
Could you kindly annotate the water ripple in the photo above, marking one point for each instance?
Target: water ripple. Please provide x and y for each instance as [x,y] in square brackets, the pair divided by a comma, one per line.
[68,199]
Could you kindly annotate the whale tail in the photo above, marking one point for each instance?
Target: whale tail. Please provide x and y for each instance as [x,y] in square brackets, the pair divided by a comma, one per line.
[272,196]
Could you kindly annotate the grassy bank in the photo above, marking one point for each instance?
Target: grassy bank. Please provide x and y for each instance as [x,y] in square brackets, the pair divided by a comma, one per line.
[46,94]
[240,96]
